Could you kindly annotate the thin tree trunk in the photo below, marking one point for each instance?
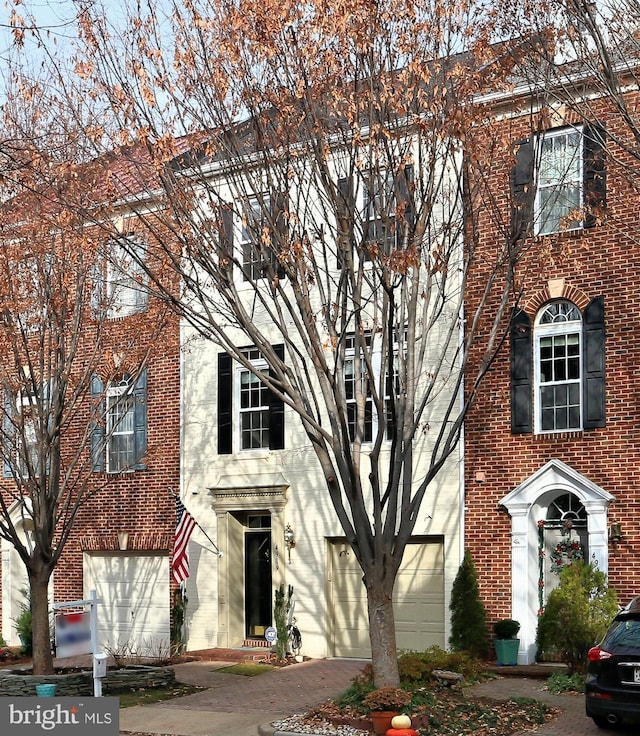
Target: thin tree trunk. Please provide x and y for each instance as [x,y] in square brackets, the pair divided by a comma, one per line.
[42,656]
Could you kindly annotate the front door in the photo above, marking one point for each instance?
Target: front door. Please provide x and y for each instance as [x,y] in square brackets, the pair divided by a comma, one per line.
[257,582]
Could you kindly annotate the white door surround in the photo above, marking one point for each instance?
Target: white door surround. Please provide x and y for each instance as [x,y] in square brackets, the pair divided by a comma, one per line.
[527,504]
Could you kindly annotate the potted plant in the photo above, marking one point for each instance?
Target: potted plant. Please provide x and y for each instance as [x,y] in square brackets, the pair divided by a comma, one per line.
[383,704]
[506,644]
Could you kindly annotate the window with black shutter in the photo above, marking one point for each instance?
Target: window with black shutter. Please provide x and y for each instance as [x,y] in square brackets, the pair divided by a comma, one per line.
[558,368]
[558,182]
[259,413]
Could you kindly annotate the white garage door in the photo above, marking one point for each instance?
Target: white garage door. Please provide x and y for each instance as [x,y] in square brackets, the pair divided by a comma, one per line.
[134,615]
[418,600]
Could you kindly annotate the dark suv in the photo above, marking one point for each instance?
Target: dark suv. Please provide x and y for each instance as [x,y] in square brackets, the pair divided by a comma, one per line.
[613,672]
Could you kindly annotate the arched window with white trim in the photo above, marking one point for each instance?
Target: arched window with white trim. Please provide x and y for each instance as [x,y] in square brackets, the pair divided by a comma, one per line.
[557,368]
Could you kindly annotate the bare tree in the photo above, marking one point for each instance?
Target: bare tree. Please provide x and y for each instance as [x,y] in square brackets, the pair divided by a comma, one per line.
[315,174]
[58,340]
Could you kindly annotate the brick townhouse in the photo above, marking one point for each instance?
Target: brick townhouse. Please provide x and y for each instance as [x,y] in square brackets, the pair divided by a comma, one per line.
[551,447]
[127,426]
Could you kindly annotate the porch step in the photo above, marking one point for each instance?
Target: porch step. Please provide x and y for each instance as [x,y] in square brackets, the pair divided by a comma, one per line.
[542,669]
[256,643]
[241,654]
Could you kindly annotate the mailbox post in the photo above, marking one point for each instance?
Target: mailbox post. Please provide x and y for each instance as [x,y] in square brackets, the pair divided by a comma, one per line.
[99,671]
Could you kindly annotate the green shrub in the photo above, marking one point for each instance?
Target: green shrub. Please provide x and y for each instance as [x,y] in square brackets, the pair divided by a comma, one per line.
[355,693]
[281,609]
[468,616]
[24,625]
[416,668]
[577,614]
[563,683]
[506,628]
[178,610]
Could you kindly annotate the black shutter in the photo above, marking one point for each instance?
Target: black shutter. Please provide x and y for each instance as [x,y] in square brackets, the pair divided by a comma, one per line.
[276,413]
[280,242]
[98,420]
[8,431]
[595,174]
[522,191]
[225,404]
[345,211]
[594,364]
[406,186]
[140,419]
[521,373]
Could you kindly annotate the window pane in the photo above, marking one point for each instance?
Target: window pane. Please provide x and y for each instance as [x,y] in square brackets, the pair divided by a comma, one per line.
[254,412]
[120,428]
[559,182]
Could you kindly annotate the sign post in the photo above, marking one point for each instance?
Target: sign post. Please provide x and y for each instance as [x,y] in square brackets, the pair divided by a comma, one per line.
[76,632]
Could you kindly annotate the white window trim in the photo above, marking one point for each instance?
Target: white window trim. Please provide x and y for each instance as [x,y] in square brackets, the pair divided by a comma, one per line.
[116,392]
[541,331]
[27,400]
[376,363]
[261,365]
[579,180]
[125,291]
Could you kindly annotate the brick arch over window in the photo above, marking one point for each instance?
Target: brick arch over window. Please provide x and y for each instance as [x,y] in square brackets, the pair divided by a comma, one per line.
[593,360]
[547,294]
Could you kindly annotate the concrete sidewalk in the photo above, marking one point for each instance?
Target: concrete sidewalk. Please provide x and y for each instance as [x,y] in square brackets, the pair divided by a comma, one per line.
[239,706]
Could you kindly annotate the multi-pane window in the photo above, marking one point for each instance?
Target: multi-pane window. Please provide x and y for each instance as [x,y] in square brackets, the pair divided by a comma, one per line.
[387,209]
[121,454]
[356,384]
[558,368]
[119,423]
[559,197]
[28,449]
[126,290]
[379,212]
[24,417]
[254,406]
[262,229]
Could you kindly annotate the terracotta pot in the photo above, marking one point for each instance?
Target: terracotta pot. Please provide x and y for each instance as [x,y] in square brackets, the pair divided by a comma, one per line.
[382,720]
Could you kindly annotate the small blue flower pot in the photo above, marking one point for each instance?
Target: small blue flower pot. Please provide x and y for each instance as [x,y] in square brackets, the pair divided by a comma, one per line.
[45,691]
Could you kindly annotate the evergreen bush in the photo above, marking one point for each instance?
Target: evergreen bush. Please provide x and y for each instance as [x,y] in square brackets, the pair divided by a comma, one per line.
[23,624]
[468,616]
[280,614]
[577,614]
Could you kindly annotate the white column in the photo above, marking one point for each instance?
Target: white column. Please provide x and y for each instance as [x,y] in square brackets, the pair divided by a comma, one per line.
[598,534]
[520,581]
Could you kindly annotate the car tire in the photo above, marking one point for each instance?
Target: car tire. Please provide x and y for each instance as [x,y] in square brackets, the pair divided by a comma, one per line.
[602,722]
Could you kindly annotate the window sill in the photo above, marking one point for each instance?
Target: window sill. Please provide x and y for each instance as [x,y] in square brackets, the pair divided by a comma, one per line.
[565,434]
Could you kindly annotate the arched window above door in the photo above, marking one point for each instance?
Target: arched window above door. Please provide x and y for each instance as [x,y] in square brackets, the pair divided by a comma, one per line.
[566,510]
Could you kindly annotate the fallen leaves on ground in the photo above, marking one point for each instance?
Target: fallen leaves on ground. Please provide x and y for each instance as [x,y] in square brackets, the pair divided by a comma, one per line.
[451,713]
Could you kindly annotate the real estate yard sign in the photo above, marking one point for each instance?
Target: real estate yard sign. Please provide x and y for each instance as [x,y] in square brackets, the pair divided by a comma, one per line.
[73,634]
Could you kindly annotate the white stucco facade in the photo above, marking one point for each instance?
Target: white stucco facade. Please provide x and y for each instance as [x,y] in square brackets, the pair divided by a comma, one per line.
[219,490]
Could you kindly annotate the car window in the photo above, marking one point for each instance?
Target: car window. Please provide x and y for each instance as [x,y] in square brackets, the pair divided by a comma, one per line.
[623,635]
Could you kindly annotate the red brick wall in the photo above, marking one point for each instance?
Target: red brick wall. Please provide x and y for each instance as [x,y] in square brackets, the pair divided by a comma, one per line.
[604,260]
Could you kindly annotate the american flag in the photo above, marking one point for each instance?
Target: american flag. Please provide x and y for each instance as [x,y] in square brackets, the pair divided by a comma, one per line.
[185,524]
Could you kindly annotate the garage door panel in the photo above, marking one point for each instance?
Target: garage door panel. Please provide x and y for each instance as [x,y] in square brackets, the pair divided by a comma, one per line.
[134,614]
[418,600]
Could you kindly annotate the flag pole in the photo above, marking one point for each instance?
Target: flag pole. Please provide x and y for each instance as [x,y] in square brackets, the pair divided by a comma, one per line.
[213,544]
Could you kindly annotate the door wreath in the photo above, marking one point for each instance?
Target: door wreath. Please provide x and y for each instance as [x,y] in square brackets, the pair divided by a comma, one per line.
[565,553]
